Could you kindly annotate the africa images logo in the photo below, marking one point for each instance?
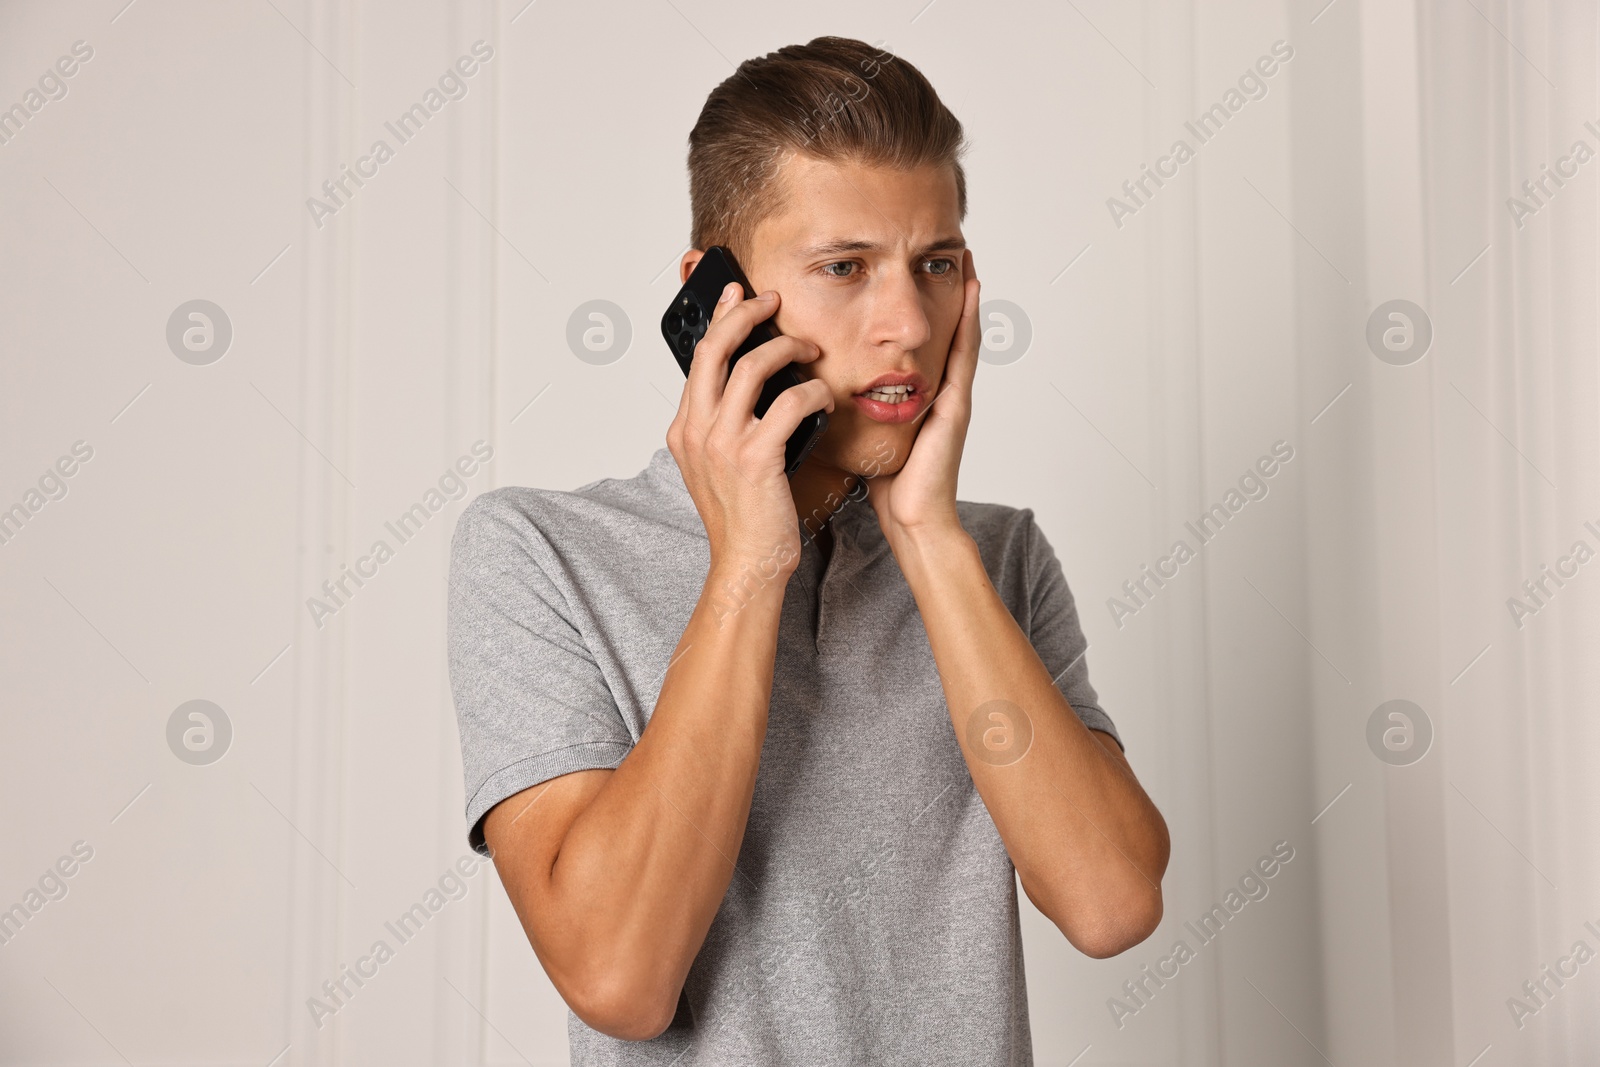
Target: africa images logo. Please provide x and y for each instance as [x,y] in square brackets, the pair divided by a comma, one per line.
[1252,887]
[452,86]
[339,590]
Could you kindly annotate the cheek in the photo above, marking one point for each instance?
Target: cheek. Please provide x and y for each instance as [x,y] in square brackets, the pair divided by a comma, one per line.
[827,367]
[817,315]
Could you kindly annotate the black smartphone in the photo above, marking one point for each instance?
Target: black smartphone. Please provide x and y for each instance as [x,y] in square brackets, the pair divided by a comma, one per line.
[690,314]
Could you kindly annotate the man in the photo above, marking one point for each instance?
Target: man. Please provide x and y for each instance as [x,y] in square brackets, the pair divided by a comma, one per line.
[759,760]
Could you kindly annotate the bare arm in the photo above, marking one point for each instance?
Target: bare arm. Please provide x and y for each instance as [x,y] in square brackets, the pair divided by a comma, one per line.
[1087,842]
[616,875]
[1089,846]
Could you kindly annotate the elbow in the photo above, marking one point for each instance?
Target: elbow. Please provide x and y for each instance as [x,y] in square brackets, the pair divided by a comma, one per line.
[1131,914]
[1118,929]
[1109,921]
[618,986]
[618,1007]
[1120,909]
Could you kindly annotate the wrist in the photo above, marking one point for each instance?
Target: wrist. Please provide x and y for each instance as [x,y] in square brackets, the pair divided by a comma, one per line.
[773,562]
[923,550]
[745,577]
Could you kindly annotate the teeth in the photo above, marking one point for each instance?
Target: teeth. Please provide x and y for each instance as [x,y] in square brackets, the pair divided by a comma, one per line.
[889,394]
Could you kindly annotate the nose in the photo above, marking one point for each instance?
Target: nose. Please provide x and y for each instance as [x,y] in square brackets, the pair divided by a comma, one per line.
[898,316]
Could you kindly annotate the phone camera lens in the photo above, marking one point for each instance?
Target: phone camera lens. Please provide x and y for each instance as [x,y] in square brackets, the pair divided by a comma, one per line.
[686,343]
[691,316]
[674,322]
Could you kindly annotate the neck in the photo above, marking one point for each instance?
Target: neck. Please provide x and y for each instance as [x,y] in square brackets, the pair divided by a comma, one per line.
[819,492]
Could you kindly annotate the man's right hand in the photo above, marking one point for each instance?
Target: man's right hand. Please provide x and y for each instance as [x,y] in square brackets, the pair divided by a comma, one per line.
[731,461]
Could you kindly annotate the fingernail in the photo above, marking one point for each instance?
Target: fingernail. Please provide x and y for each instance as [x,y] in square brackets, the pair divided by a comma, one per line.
[768,296]
[729,291]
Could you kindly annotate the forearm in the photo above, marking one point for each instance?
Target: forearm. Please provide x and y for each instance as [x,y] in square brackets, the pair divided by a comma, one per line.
[642,871]
[1088,844]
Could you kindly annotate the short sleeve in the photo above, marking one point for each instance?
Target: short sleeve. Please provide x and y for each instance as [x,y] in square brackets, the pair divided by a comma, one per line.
[1056,635]
[531,702]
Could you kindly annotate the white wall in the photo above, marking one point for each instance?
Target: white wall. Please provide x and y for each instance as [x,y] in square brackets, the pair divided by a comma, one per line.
[428,312]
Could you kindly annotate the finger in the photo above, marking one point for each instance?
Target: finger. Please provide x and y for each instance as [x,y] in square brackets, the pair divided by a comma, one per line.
[688,416]
[965,347]
[969,331]
[753,369]
[730,296]
[731,323]
[692,390]
[786,412]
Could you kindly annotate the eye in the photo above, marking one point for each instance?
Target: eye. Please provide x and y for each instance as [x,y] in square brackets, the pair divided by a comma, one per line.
[948,265]
[828,268]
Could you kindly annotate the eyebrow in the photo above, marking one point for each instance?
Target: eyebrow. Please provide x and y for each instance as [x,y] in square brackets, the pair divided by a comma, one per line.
[841,247]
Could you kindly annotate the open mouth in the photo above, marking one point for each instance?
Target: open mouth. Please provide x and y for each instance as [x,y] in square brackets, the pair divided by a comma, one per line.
[889,394]
[896,402]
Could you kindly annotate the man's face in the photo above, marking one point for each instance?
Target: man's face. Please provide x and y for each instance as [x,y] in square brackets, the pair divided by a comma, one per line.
[867,262]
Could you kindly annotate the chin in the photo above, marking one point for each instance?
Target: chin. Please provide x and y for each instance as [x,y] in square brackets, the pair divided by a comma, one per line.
[870,451]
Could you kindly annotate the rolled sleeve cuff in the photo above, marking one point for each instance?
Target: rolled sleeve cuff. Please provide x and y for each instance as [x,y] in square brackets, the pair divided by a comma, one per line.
[526,773]
[1095,719]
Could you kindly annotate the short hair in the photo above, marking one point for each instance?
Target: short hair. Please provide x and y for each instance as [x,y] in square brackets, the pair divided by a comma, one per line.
[833,98]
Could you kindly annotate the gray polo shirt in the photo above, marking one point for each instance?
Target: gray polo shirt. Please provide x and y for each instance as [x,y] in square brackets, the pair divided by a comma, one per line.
[872,917]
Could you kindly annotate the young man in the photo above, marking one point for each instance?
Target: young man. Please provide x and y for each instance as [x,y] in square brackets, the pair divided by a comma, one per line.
[757,758]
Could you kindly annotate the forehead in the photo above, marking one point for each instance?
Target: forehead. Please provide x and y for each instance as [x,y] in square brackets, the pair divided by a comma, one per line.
[830,201]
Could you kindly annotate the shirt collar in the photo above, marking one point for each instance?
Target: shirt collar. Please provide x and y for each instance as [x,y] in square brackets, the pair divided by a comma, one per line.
[664,469]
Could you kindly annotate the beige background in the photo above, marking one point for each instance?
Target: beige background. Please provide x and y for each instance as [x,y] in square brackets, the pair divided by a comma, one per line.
[1167,355]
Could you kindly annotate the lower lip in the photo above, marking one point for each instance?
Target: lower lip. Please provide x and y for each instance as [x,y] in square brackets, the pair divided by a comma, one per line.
[878,411]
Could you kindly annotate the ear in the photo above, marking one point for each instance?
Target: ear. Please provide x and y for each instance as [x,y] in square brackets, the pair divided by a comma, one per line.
[690,259]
